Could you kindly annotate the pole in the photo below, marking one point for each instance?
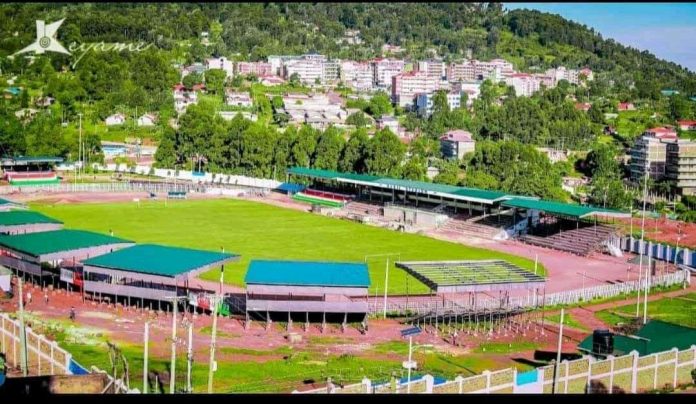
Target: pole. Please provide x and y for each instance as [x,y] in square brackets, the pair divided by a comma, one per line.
[410,351]
[212,348]
[642,238]
[386,284]
[558,353]
[536,263]
[190,358]
[145,353]
[79,147]
[23,331]
[173,364]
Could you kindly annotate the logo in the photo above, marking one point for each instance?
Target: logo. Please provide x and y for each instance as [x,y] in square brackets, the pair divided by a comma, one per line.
[45,39]
[46,42]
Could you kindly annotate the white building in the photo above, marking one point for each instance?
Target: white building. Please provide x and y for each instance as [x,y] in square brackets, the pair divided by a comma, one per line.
[385,69]
[315,110]
[115,119]
[259,69]
[183,98]
[238,99]
[461,71]
[147,120]
[222,64]
[406,86]
[434,69]
[357,76]
[471,88]
[424,102]
[389,122]
[561,73]
[330,71]
[525,84]
[309,71]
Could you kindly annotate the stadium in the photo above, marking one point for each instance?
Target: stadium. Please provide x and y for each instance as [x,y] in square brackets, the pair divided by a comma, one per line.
[328,267]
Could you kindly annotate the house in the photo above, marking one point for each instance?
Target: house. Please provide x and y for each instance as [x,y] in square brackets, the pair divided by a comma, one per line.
[626,106]
[388,122]
[271,81]
[26,114]
[147,120]
[115,119]
[554,155]
[230,115]
[662,133]
[238,99]
[45,101]
[221,63]
[583,106]
[457,143]
[687,125]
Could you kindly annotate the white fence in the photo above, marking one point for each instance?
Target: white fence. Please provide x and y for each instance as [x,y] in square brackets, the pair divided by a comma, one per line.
[630,373]
[44,357]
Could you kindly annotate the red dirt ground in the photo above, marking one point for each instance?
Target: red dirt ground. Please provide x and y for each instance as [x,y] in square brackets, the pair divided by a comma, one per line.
[664,230]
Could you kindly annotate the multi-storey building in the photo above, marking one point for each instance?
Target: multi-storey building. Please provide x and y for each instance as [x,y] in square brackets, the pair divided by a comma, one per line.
[357,76]
[461,71]
[456,143]
[648,153]
[525,84]
[330,71]
[259,69]
[385,70]
[406,86]
[434,69]
[424,102]
[309,71]
[221,63]
[238,99]
[681,165]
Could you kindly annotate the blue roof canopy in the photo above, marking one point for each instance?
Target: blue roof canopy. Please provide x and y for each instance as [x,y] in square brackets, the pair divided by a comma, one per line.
[307,273]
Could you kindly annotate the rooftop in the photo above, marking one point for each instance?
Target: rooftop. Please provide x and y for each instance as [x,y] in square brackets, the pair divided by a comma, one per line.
[308,273]
[48,242]
[462,276]
[20,217]
[458,136]
[160,260]
[562,209]
[8,202]
[655,336]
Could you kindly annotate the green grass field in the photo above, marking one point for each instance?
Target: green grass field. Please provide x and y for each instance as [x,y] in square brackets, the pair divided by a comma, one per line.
[257,230]
[677,310]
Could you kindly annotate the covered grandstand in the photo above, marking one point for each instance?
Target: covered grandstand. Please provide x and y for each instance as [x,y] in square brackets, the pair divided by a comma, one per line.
[41,254]
[148,272]
[28,171]
[7,205]
[25,221]
[304,289]
[469,211]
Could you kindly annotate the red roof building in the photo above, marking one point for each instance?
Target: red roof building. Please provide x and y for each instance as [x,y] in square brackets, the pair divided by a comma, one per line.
[686,125]
[626,106]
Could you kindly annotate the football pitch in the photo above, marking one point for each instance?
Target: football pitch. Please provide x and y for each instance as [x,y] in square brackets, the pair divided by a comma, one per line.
[257,231]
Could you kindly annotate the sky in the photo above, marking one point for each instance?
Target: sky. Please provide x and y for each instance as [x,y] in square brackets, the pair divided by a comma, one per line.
[667,30]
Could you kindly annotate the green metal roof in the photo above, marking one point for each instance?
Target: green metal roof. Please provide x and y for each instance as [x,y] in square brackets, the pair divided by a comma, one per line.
[48,242]
[159,260]
[6,202]
[20,217]
[330,174]
[415,186]
[29,160]
[561,209]
[307,273]
[655,336]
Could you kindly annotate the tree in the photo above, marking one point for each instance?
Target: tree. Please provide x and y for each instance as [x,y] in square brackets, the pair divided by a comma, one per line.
[355,152]
[380,104]
[440,104]
[595,114]
[414,169]
[192,79]
[303,148]
[277,102]
[384,154]
[328,149]
[294,80]
[215,80]
[357,119]
[165,156]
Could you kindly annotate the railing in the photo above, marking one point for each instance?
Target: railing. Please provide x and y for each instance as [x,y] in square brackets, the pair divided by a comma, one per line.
[629,373]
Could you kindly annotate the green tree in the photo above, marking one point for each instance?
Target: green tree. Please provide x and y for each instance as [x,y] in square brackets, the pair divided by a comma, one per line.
[215,81]
[355,152]
[357,119]
[328,150]
[380,104]
[303,148]
[384,154]
[192,79]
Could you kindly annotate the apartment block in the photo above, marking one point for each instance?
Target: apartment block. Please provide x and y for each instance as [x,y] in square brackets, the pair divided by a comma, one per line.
[357,76]
[259,69]
[385,69]
[221,63]
[424,102]
[681,165]
[406,86]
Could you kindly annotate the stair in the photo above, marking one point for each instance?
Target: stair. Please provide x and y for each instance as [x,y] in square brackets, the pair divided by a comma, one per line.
[480,227]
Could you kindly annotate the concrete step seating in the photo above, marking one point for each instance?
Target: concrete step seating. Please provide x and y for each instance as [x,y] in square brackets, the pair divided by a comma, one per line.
[477,226]
[583,241]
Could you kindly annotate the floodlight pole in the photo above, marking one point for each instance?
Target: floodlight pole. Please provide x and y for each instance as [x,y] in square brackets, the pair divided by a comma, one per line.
[558,353]
[642,239]
[410,352]
[23,331]
[386,286]
[212,347]
[190,358]
[175,302]
[145,353]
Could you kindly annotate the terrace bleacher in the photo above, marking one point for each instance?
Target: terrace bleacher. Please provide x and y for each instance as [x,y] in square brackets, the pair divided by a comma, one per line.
[581,241]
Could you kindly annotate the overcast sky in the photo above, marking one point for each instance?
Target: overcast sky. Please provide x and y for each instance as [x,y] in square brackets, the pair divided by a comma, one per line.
[667,30]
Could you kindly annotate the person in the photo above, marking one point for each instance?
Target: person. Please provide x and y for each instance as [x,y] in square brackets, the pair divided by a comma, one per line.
[46,297]
[72,313]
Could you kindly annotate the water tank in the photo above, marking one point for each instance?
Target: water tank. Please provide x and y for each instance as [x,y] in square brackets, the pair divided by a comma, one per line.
[602,342]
